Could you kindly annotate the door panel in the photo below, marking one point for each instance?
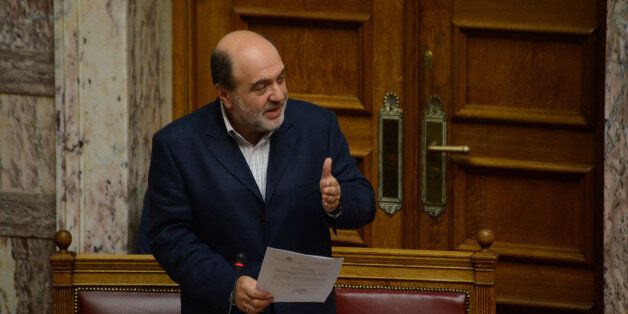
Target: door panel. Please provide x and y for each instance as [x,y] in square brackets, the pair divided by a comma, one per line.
[520,85]
[524,78]
[524,202]
[313,39]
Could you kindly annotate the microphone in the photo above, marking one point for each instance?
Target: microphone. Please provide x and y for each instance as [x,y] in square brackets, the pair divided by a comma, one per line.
[238,264]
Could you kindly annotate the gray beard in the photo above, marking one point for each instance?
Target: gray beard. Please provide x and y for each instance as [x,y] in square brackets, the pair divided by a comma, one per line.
[253,120]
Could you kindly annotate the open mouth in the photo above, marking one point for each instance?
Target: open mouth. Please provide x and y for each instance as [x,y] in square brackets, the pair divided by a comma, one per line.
[274,112]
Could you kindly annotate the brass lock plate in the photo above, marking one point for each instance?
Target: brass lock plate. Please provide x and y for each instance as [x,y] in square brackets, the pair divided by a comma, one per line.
[433,164]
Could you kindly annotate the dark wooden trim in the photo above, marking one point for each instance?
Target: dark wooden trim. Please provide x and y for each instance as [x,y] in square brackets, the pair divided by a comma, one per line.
[412,116]
[181,61]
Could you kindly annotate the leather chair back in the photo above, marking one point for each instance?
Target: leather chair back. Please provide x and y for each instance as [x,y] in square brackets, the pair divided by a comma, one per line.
[374,300]
[116,302]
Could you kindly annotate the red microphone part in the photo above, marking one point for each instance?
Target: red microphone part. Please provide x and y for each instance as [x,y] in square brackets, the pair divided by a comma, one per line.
[239,260]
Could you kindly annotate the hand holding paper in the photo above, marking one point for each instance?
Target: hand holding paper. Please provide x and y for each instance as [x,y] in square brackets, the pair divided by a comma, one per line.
[248,298]
[295,277]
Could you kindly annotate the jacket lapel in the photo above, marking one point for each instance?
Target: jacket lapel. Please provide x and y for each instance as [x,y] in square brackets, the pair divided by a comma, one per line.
[226,151]
[281,147]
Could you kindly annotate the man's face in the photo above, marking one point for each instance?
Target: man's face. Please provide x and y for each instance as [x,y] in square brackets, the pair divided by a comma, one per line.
[259,100]
[261,107]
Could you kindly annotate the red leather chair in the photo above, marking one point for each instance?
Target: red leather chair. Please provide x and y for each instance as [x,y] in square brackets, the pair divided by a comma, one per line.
[129,301]
[386,300]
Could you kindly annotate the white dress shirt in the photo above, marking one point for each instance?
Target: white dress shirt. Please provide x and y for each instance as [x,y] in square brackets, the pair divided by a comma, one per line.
[256,156]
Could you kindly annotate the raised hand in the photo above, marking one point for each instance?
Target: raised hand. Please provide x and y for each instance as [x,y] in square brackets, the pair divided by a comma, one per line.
[330,189]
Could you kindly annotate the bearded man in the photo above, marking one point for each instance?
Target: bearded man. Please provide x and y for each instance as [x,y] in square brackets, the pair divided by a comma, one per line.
[251,170]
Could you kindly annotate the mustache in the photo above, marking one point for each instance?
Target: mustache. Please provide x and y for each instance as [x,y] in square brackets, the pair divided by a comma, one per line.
[270,105]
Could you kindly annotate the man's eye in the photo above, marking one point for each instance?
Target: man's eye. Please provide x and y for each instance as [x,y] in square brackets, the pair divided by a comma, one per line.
[281,79]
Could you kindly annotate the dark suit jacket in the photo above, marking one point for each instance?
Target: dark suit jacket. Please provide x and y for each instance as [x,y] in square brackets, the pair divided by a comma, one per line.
[205,206]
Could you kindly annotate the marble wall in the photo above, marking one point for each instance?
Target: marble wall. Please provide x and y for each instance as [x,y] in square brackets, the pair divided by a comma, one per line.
[92,101]
[110,97]
[27,167]
[616,160]
[83,86]
[150,104]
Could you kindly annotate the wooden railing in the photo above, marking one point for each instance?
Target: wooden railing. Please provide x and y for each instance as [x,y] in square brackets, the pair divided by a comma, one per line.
[470,272]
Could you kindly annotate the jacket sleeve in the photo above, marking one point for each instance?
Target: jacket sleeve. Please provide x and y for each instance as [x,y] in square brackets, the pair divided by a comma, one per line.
[357,198]
[199,271]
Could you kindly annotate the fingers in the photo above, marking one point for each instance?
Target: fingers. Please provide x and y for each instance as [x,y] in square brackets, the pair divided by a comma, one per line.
[330,189]
[326,169]
[330,207]
[330,196]
[254,306]
[331,193]
[248,299]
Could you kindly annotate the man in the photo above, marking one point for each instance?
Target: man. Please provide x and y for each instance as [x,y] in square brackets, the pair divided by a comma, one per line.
[248,171]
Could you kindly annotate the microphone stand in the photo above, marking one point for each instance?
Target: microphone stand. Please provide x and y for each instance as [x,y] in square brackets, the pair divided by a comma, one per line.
[238,265]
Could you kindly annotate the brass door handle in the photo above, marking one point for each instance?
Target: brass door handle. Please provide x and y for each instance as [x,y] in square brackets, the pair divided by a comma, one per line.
[433,159]
[449,149]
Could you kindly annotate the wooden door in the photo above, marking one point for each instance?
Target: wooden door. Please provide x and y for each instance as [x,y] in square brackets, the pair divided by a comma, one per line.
[341,55]
[521,84]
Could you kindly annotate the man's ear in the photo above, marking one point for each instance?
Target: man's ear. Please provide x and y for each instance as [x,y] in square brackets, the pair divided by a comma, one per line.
[224,96]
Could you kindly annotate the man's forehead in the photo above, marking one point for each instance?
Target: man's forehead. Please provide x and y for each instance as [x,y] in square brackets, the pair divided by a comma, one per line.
[251,68]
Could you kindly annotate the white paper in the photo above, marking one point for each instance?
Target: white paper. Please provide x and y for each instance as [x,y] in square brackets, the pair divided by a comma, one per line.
[295,277]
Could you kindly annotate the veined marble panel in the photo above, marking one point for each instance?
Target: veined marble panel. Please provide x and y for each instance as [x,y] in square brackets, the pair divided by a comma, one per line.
[26,72]
[26,24]
[8,294]
[104,114]
[27,215]
[69,142]
[25,276]
[146,101]
[27,144]
[616,160]
[92,101]
[108,60]
[26,41]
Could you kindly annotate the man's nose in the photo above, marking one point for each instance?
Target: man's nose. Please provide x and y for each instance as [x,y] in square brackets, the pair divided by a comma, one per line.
[277,93]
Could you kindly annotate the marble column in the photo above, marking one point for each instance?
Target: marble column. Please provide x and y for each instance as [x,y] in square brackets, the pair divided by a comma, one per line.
[27,169]
[616,160]
[112,94]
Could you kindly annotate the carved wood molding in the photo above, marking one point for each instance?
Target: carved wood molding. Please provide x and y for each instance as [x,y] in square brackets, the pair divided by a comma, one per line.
[465,271]
[480,25]
[523,166]
[266,13]
[182,59]
[359,104]
[580,173]
[582,116]
[344,104]
[526,251]
[477,112]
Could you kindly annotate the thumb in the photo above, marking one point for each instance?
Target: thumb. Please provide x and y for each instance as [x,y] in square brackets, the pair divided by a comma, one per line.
[326,168]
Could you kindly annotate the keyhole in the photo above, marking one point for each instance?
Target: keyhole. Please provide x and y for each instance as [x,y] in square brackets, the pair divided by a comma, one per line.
[434,173]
